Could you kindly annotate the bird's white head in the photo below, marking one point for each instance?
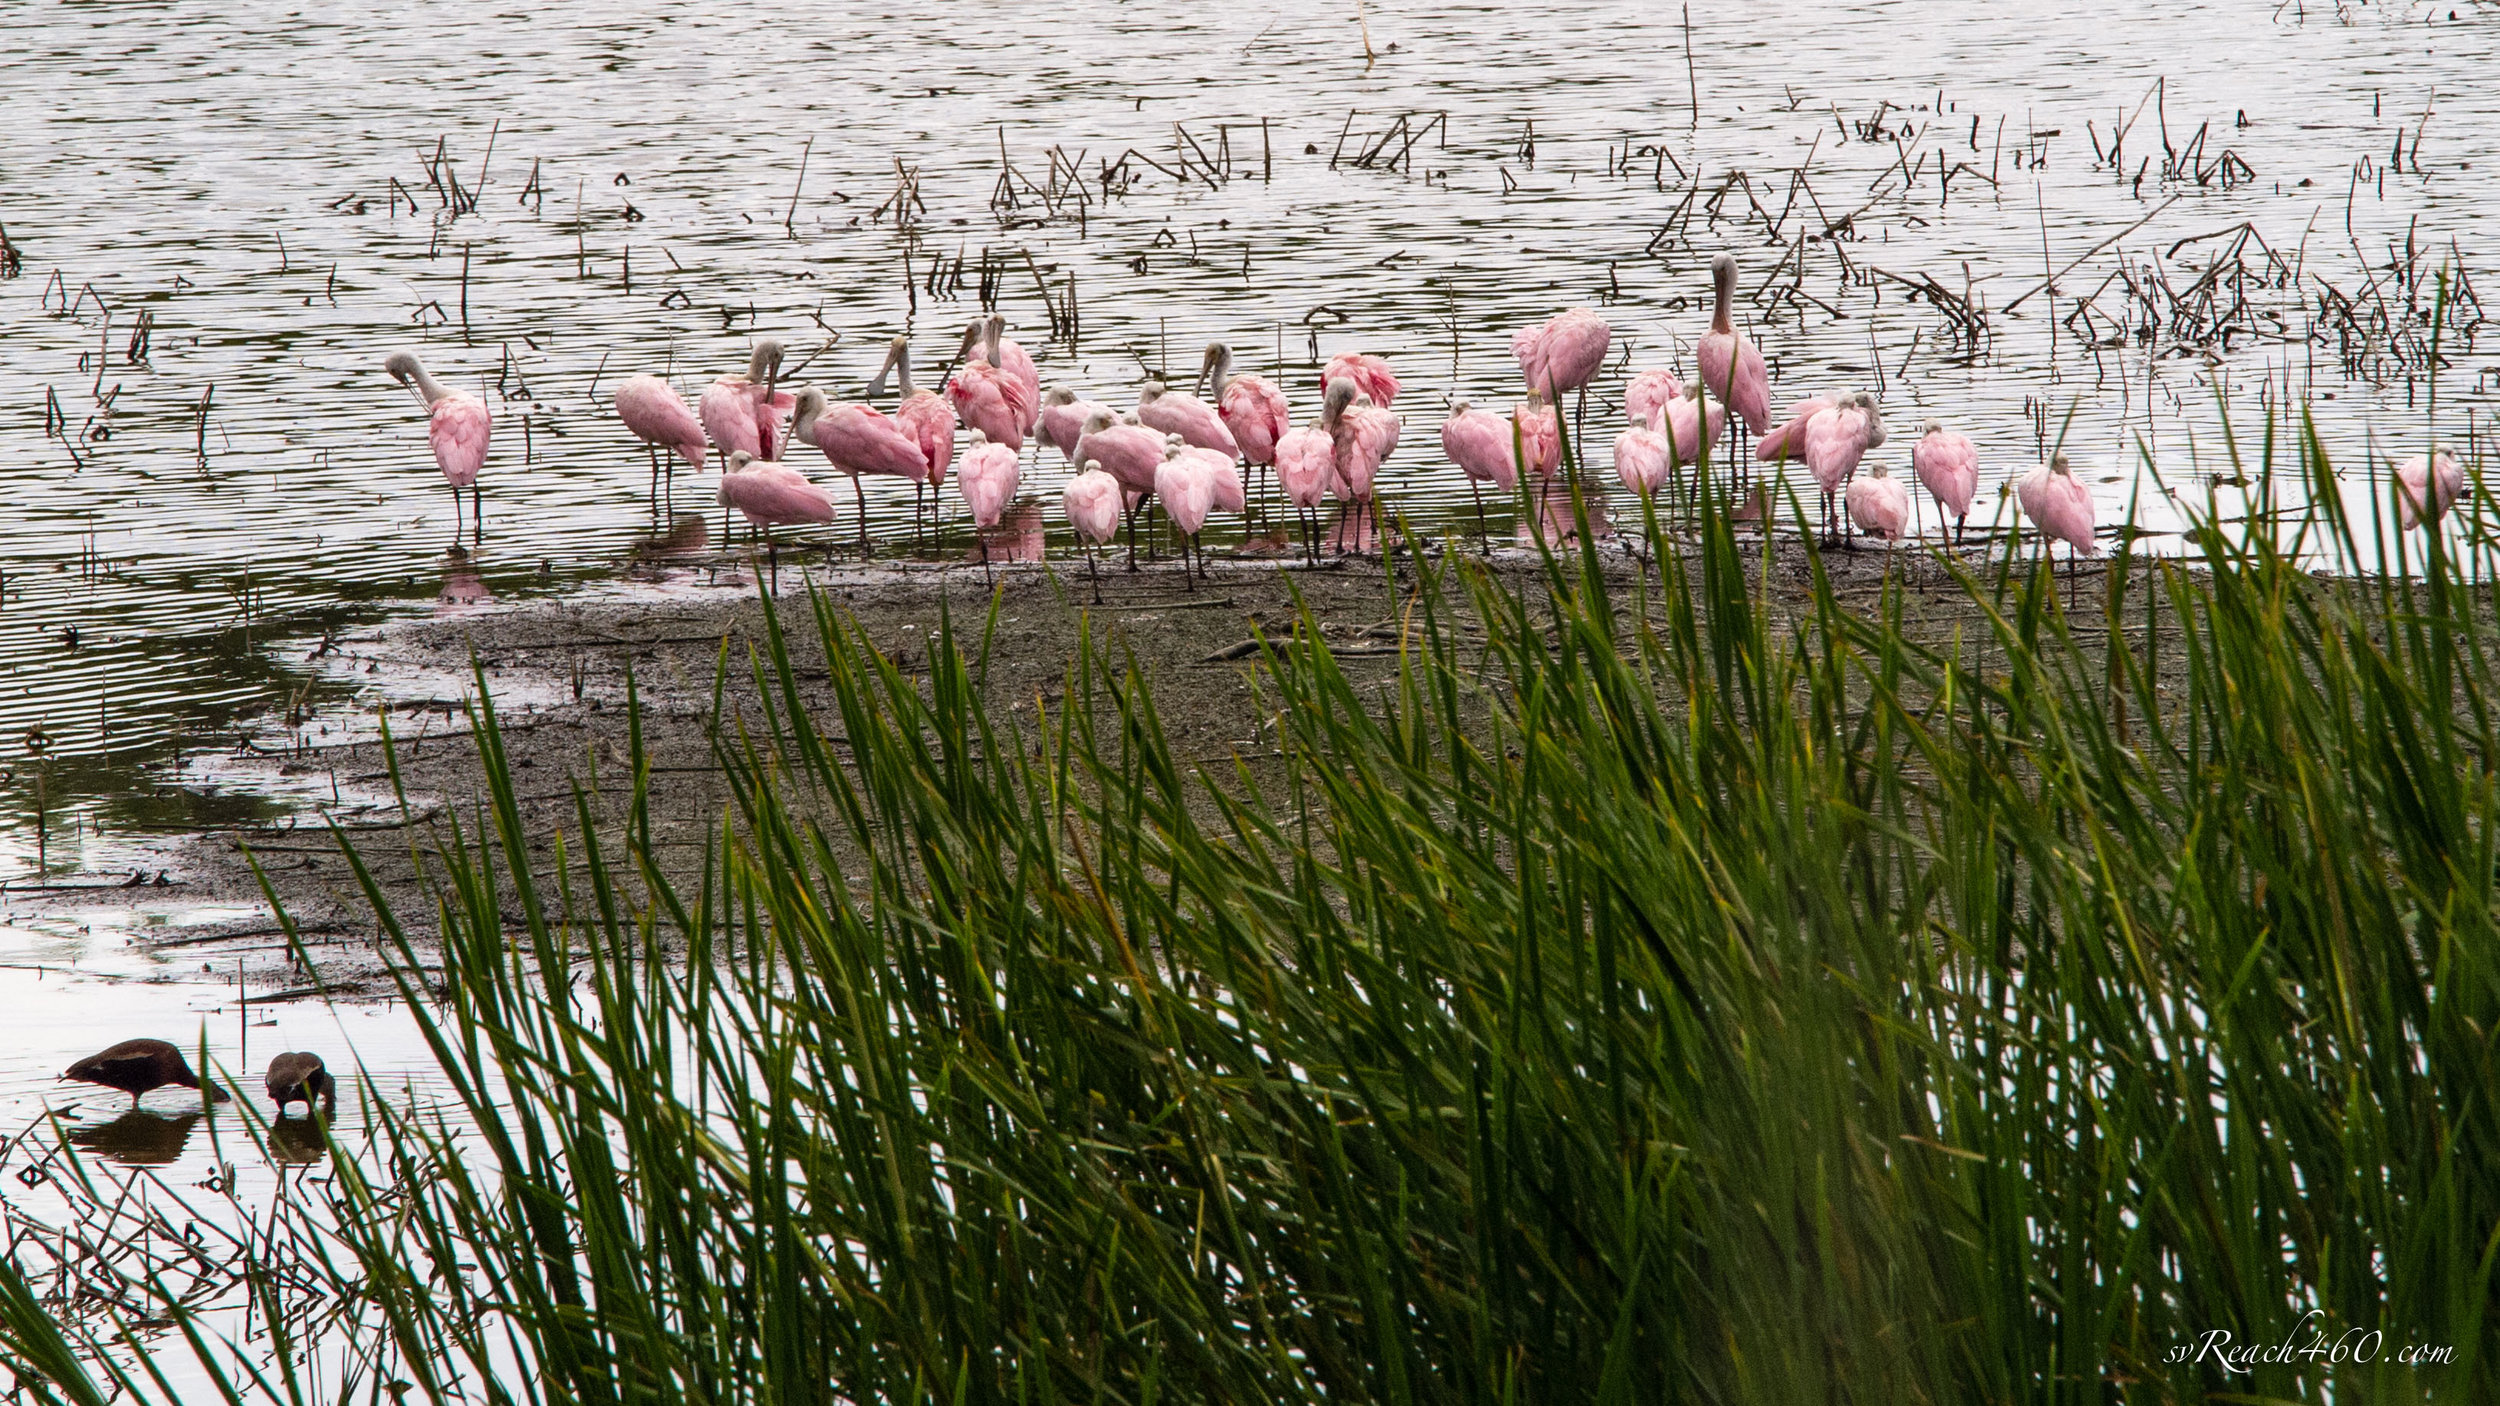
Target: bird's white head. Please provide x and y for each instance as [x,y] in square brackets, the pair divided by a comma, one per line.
[1216,367]
[1932,427]
[976,335]
[1173,445]
[897,363]
[2058,464]
[738,460]
[1092,466]
[1099,421]
[1058,395]
[764,363]
[811,406]
[979,439]
[1332,407]
[1460,407]
[408,371]
[1150,393]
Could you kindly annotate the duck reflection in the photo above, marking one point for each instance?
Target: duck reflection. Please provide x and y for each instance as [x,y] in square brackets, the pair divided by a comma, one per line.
[298,1142]
[138,1138]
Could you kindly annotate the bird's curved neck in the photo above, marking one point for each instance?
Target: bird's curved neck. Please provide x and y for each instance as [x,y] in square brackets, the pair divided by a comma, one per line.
[427,386]
[1719,319]
[902,371]
[803,426]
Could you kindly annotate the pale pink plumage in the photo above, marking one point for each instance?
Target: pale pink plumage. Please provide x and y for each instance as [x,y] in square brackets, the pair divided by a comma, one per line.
[1878,503]
[1478,442]
[1306,465]
[987,480]
[861,439]
[1366,436]
[930,423]
[457,428]
[2058,504]
[1254,410]
[771,494]
[1648,394]
[1789,440]
[1540,437]
[657,414]
[1129,453]
[1837,438]
[1681,421]
[1092,499]
[1371,377]
[1223,479]
[1178,412]
[1181,485]
[740,415]
[1018,363]
[1948,467]
[1564,352]
[1644,460]
[987,399]
[1063,422]
[2436,487]
[1730,365]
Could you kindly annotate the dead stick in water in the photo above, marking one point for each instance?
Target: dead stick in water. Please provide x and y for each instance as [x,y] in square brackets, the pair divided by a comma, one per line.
[789,218]
[2088,253]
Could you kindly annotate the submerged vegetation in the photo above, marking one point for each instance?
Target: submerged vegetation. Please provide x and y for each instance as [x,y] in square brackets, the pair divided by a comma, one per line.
[1646,997]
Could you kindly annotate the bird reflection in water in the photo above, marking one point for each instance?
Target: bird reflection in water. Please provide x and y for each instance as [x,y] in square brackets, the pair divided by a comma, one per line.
[138,1138]
[688,535]
[1017,537]
[298,1142]
[462,588]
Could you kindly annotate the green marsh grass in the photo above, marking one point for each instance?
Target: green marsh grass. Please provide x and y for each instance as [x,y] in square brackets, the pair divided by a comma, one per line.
[1641,997]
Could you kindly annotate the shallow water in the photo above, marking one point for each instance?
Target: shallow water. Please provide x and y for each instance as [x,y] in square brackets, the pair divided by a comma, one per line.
[654,189]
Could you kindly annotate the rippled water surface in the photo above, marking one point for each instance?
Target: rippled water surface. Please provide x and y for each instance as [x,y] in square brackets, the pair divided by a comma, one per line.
[221,216]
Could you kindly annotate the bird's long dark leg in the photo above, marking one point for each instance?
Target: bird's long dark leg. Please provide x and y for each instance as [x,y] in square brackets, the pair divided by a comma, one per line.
[860,495]
[1093,572]
[654,451]
[772,556]
[985,555]
[1484,534]
[477,508]
[1132,534]
[455,519]
[1188,578]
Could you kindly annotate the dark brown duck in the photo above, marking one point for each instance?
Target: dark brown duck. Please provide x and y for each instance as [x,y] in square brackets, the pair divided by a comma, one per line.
[136,1066]
[299,1075]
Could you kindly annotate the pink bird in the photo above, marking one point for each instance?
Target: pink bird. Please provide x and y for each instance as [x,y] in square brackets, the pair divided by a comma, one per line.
[745,412]
[1563,353]
[1092,499]
[659,417]
[2443,479]
[988,483]
[1015,361]
[1478,442]
[987,397]
[2060,506]
[858,439]
[1371,377]
[1178,412]
[1879,504]
[1182,486]
[1644,460]
[1364,436]
[925,417]
[1252,407]
[1129,453]
[1948,466]
[456,428]
[1731,367]
[1063,419]
[1539,448]
[1837,438]
[1648,393]
[1223,481]
[1690,432]
[1306,465]
[1789,440]
[768,494]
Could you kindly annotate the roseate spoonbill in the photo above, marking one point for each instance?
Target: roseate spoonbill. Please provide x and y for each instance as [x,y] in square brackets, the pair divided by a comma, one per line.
[1948,466]
[2443,480]
[1731,367]
[857,439]
[1063,419]
[1539,443]
[1692,425]
[136,1066]
[1181,486]
[1836,439]
[988,483]
[1224,482]
[1363,436]
[1092,499]
[925,418]
[1648,392]
[1306,467]
[1879,504]
[766,492]
[2061,508]
[1171,412]
[299,1076]
[1789,440]
[1007,356]
[456,426]
[1563,354]
[1129,453]
[985,396]
[1478,441]
[659,417]
[1371,376]
[1645,461]
[1252,406]
[746,412]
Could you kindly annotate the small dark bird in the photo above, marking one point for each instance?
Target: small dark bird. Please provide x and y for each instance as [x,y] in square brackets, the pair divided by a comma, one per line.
[136,1066]
[300,1076]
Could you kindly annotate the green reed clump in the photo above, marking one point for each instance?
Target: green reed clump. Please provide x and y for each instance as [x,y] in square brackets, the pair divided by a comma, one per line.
[1654,1000]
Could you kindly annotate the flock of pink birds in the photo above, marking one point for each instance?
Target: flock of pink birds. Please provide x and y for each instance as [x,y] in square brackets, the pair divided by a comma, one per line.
[1186,455]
